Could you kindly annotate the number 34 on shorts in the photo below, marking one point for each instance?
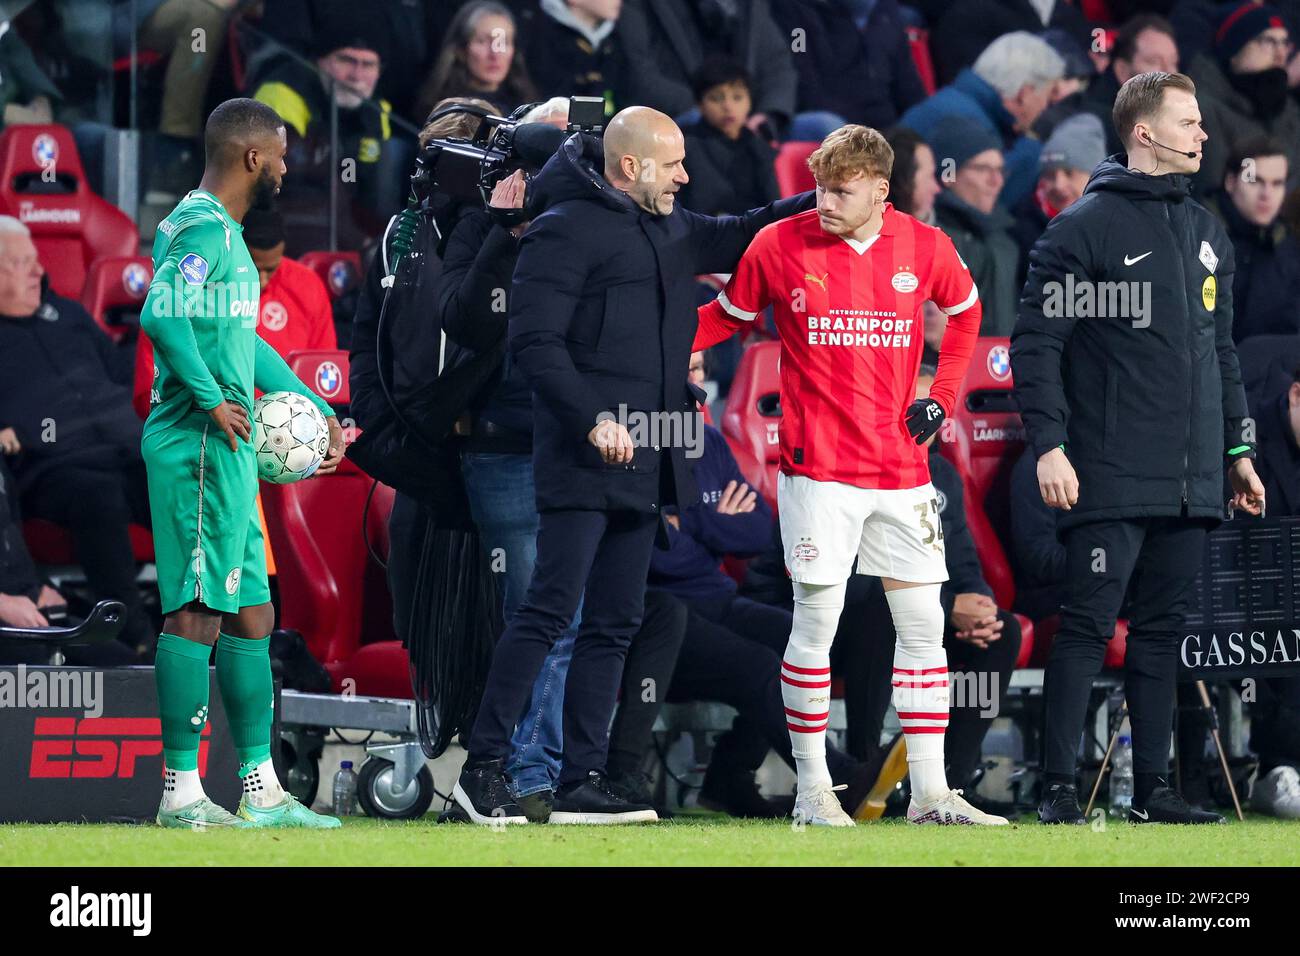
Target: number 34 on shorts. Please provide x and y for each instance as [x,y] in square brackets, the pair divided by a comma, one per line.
[892,533]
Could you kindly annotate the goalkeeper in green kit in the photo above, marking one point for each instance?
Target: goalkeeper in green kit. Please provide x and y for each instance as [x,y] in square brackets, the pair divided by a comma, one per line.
[202,314]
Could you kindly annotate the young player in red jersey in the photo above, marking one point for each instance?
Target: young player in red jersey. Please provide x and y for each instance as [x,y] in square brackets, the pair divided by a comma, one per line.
[847,282]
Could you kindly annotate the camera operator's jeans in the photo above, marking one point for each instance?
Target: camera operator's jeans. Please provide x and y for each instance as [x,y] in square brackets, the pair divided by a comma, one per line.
[504,507]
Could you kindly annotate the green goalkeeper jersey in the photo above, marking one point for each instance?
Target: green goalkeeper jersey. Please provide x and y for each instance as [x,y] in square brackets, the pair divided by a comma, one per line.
[202,313]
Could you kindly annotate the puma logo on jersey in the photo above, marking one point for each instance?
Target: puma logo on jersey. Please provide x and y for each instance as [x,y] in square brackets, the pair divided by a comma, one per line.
[821,282]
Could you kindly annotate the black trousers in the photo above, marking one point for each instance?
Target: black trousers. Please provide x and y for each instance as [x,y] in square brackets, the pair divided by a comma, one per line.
[1154,561]
[647,675]
[608,555]
[97,506]
[732,655]
[407,523]
[981,677]
[1275,723]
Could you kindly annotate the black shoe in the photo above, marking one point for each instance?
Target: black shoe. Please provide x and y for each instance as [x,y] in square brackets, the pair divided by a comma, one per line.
[593,800]
[483,792]
[1166,805]
[634,787]
[1060,805]
[453,814]
[734,791]
[537,806]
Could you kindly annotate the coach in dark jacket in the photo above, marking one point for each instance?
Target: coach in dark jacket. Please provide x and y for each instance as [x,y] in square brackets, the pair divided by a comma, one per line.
[1125,370]
[601,324]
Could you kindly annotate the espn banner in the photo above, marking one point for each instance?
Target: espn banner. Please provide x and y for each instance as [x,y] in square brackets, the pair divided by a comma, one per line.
[1244,618]
[84,744]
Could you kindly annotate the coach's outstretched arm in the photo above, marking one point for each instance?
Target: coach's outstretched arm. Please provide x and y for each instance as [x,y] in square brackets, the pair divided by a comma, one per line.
[719,241]
[745,295]
[165,317]
[548,284]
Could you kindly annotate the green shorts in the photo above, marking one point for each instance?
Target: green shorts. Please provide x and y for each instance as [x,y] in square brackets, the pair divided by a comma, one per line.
[207,538]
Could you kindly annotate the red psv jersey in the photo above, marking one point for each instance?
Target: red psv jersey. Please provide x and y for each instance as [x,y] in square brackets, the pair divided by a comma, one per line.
[849,315]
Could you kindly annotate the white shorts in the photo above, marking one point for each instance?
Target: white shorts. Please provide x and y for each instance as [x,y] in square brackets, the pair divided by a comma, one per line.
[893,533]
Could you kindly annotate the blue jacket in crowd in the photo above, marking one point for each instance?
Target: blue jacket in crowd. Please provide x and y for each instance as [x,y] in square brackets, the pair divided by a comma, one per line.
[690,567]
[970,96]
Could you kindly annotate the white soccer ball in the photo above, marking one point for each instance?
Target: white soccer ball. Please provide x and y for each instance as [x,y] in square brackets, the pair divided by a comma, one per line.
[290,437]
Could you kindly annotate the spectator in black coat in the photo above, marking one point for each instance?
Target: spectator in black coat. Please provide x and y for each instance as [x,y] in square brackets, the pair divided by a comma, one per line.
[855,61]
[1266,285]
[968,27]
[573,49]
[600,338]
[69,403]
[1144,44]
[666,42]
[1275,715]
[731,165]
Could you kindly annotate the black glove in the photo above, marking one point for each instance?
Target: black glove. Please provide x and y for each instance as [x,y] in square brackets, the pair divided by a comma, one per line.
[924,416]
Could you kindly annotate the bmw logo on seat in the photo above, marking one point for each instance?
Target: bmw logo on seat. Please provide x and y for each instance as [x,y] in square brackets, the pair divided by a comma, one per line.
[999,363]
[329,379]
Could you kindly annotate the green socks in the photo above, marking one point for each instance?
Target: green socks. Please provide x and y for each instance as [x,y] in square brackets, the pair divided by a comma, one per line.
[181,673]
[244,676]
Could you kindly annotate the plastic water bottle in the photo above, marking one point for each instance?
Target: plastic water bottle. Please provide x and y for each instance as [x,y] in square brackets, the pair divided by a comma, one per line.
[345,790]
[1121,778]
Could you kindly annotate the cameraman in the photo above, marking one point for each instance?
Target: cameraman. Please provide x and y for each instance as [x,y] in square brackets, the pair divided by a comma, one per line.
[496,444]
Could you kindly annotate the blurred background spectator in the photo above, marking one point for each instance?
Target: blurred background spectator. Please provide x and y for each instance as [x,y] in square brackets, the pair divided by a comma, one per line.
[967,210]
[479,58]
[1266,283]
[1006,90]
[573,49]
[731,165]
[913,185]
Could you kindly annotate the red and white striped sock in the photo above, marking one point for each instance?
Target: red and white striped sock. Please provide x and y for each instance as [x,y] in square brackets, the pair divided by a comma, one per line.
[806,678]
[920,684]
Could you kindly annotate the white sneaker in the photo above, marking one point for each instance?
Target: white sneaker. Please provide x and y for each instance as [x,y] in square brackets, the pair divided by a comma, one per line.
[951,808]
[819,807]
[1277,793]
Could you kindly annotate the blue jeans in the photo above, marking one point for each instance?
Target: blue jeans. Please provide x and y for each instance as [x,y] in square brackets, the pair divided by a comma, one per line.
[503,504]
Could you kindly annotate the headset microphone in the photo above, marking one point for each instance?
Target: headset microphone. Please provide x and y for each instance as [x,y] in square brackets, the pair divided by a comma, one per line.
[1189,155]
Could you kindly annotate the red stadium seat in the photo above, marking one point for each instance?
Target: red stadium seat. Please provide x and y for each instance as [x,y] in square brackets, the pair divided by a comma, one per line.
[50,543]
[918,42]
[792,173]
[331,591]
[983,439]
[43,184]
[340,271]
[116,285]
[752,418]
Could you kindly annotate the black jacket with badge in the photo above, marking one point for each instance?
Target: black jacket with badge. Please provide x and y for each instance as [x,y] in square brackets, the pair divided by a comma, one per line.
[1146,400]
[65,393]
[602,318]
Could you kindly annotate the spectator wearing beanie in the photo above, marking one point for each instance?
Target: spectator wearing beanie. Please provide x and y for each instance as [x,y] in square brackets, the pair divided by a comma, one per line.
[1069,156]
[349,58]
[730,165]
[1242,89]
[1266,283]
[572,49]
[1007,89]
[970,164]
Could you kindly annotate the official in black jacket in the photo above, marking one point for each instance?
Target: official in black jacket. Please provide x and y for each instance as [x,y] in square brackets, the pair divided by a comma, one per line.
[1125,370]
[601,324]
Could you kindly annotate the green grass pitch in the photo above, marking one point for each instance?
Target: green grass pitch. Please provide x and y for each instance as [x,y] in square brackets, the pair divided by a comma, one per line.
[685,841]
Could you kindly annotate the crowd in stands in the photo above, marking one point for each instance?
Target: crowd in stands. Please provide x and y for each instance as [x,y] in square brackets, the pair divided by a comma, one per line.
[997,111]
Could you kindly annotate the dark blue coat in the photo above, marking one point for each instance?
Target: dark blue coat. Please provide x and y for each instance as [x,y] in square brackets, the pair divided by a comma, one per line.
[602,315]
